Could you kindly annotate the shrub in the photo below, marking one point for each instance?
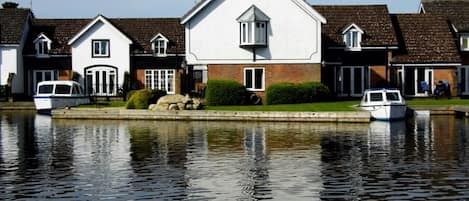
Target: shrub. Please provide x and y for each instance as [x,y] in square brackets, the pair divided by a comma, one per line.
[225,92]
[141,99]
[289,93]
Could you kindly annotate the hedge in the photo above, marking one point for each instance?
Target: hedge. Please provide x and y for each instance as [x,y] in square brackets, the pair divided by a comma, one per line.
[141,99]
[225,92]
[290,93]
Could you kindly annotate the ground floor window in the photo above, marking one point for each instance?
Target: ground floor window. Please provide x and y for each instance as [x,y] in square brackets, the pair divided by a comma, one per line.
[42,75]
[418,81]
[463,80]
[352,80]
[161,79]
[101,81]
[254,79]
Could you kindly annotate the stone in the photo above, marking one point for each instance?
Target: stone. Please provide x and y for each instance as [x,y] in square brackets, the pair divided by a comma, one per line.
[176,102]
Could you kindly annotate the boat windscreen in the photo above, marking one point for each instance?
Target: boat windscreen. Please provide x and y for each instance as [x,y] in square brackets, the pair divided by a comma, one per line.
[392,96]
[376,97]
[45,89]
[62,89]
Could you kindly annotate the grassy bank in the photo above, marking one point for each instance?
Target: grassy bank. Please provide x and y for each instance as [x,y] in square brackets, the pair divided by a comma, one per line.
[306,107]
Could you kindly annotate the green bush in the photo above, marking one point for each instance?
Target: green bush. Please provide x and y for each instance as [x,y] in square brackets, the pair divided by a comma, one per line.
[290,93]
[225,92]
[141,99]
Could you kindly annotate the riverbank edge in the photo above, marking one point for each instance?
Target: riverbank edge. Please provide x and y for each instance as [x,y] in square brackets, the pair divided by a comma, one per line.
[211,115]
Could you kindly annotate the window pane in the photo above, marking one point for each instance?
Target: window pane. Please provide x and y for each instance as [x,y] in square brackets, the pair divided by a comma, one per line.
[392,96]
[96,48]
[148,79]
[258,79]
[111,83]
[375,97]
[45,89]
[104,74]
[465,43]
[104,48]
[244,32]
[355,39]
[170,81]
[248,78]
[96,89]
[89,83]
[358,81]
[250,33]
[62,89]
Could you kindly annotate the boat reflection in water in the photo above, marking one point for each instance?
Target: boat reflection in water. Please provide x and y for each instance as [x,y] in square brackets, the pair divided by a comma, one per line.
[421,158]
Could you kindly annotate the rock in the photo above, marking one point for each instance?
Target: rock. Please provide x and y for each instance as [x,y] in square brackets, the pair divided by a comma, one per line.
[176,102]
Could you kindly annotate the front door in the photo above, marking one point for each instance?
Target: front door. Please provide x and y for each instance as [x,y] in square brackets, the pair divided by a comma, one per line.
[352,81]
[101,81]
[42,75]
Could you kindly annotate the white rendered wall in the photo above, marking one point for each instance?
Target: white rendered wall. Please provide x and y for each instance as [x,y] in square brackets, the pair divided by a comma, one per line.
[11,62]
[119,51]
[213,35]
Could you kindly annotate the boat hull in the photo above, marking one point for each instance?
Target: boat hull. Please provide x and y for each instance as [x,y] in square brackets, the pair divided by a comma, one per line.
[386,112]
[44,104]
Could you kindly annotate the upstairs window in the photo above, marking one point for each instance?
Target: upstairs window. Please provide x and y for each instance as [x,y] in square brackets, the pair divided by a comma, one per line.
[159,45]
[465,42]
[352,37]
[253,27]
[42,45]
[100,48]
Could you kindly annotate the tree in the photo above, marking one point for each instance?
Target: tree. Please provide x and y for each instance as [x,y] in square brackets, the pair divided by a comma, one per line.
[9,4]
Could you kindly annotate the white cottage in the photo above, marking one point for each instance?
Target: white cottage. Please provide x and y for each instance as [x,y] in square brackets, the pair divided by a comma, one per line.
[255,42]
[100,54]
[14,27]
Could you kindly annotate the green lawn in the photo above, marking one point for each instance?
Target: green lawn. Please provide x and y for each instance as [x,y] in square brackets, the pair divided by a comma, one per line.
[104,104]
[305,107]
[439,102]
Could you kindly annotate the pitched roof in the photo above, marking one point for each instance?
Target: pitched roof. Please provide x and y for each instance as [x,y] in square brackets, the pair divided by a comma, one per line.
[374,20]
[12,22]
[454,10]
[139,30]
[424,39]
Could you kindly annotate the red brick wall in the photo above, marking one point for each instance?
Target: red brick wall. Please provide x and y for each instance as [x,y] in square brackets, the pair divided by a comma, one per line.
[274,73]
[65,74]
[377,76]
[447,74]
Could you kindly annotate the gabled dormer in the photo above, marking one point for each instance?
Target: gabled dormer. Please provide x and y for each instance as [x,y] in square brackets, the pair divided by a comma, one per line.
[253,25]
[42,44]
[159,45]
[352,35]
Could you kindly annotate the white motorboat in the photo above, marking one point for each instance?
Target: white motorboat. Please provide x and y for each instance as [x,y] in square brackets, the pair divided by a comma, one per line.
[384,104]
[58,94]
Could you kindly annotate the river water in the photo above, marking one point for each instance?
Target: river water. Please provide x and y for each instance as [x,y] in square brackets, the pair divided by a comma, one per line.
[418,159]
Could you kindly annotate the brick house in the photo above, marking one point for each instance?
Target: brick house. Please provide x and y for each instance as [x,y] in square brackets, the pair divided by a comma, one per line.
[14,27]
[358,43]
[427,54]
[100,52]
[256,43]
[456,14]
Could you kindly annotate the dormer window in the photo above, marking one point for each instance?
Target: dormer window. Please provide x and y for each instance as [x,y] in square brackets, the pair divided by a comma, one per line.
[159,44]
[465,42]
[253,27]
[42,45]
[352,37]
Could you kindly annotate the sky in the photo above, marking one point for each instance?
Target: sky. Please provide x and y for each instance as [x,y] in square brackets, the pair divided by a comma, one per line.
[160,8]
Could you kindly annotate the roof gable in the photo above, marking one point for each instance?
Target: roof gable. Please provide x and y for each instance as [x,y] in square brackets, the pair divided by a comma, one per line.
[157,36]
[42,36]
[253,14]
[352,26]
[96,20]
[300,3]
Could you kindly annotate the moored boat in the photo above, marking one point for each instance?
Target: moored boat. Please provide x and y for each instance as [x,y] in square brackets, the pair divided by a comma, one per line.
[384,104]
[58,94]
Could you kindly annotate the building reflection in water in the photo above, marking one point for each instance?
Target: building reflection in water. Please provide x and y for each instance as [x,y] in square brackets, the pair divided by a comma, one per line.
[421,158]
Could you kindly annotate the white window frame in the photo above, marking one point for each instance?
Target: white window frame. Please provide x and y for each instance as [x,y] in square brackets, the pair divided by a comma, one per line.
[427,78]
[464,42]
[43,73]
[252,34]
[466,78]
[100,49]
[253,78]
[159,45]
[352,36]
[162,79]
[42,44]
[101,79]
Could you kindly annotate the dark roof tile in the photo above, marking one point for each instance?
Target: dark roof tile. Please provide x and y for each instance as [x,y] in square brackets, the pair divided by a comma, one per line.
[374,20]
[425,39]
[454,10]
[12,22]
